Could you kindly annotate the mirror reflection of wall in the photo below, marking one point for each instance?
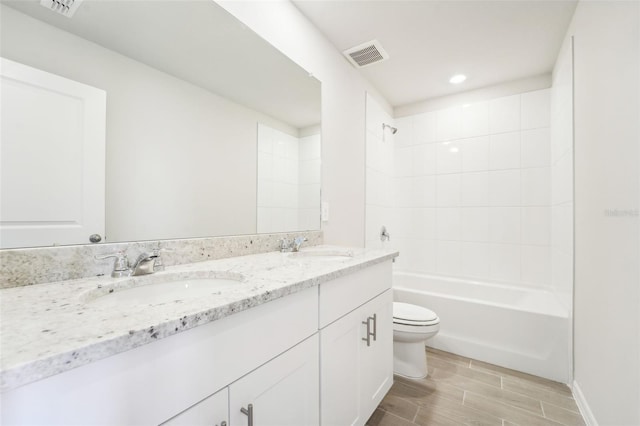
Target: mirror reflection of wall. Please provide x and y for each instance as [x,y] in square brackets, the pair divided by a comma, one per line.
[288,180]
[186,84]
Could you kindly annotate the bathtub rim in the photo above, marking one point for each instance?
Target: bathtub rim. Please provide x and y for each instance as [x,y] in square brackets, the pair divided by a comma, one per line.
[560,310]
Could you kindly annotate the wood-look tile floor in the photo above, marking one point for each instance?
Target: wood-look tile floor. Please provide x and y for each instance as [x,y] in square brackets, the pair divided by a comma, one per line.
[463,391]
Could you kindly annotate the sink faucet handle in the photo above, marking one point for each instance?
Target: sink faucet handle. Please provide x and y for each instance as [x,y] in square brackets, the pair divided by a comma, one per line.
[120,265]
[297,242]
[158,264]
[285,245]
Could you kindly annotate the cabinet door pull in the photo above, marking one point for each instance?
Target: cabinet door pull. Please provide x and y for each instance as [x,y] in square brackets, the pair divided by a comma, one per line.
[375,326]
[249,412]
[370,334]
[223,424]
[368,338]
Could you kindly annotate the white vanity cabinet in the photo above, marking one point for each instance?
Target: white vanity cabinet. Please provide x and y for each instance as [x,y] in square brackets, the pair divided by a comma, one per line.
[356,340]
[322,355]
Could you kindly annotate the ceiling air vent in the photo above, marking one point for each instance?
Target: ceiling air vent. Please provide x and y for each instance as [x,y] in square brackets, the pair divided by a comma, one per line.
[365,54]
[63,7]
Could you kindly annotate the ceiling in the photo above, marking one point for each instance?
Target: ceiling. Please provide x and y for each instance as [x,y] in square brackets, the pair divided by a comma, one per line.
[429,41]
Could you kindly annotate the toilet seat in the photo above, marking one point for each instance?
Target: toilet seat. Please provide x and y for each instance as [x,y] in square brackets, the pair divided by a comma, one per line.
[412,327]
[413,315]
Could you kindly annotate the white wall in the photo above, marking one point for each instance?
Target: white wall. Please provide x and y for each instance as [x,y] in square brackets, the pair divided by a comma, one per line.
[562,184]
[380,170]
[607,281]
[473,190]
[343,110]
[155,119]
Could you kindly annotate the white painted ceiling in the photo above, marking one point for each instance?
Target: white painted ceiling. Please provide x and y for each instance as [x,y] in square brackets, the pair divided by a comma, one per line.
[199,42]
[429,41]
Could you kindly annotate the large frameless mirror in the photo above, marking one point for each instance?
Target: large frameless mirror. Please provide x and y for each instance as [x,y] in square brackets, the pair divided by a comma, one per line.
[208,129]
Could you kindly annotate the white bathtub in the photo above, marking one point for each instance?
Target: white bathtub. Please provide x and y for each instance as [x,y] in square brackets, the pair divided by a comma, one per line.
[519,328]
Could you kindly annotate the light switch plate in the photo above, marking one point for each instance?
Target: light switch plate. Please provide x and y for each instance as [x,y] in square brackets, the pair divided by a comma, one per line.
[324,212]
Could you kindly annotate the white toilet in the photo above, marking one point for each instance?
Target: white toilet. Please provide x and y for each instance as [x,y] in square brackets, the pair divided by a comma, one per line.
[412,326]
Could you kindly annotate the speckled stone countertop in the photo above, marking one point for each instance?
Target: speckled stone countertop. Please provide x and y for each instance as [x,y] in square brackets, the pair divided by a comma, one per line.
[50,328]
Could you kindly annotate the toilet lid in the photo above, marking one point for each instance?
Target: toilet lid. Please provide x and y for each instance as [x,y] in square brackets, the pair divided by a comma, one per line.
[407,313]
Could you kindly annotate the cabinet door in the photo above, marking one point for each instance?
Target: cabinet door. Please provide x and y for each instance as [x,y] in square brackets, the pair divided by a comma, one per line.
[340,346]
[214,410]
[377,359]
[282,392]
[354,375]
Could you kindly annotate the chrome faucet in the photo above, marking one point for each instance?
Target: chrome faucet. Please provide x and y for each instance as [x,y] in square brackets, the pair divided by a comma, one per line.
[120,266]
[297,242]
[293,245]
[144,263]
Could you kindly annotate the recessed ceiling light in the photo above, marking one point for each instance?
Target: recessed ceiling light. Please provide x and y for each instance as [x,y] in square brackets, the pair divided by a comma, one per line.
[457,79]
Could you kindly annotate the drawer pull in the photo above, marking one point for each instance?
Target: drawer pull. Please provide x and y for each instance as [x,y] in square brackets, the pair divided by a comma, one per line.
[375,326]
[249,413]
[368,338]
[370,333]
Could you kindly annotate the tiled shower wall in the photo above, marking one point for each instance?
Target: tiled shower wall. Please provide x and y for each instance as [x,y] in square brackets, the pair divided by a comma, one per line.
[309,175]
[288,188]
[472,190]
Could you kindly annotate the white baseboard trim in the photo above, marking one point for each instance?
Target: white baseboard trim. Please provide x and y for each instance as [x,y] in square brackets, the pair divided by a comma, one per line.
[583,406]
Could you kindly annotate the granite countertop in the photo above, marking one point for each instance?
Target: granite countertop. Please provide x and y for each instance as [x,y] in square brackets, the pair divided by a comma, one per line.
[50,328]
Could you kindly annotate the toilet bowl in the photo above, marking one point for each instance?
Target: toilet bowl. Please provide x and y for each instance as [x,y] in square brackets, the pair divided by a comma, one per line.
[412,326]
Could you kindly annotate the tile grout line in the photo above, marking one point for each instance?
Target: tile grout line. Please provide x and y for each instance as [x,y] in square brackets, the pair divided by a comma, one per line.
[463,364]
[540,387]
[577,410]
[556,394]
[394,415]
[517,409]
[514,377]
[461,387]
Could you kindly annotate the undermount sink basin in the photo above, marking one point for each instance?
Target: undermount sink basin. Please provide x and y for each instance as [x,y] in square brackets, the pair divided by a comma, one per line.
[158,289]
[322,255]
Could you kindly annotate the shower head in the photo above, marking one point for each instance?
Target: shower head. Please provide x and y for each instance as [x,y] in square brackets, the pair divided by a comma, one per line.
[394,130]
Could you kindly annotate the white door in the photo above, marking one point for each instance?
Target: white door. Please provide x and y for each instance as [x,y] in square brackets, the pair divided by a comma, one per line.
[283,392]
[52,158]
